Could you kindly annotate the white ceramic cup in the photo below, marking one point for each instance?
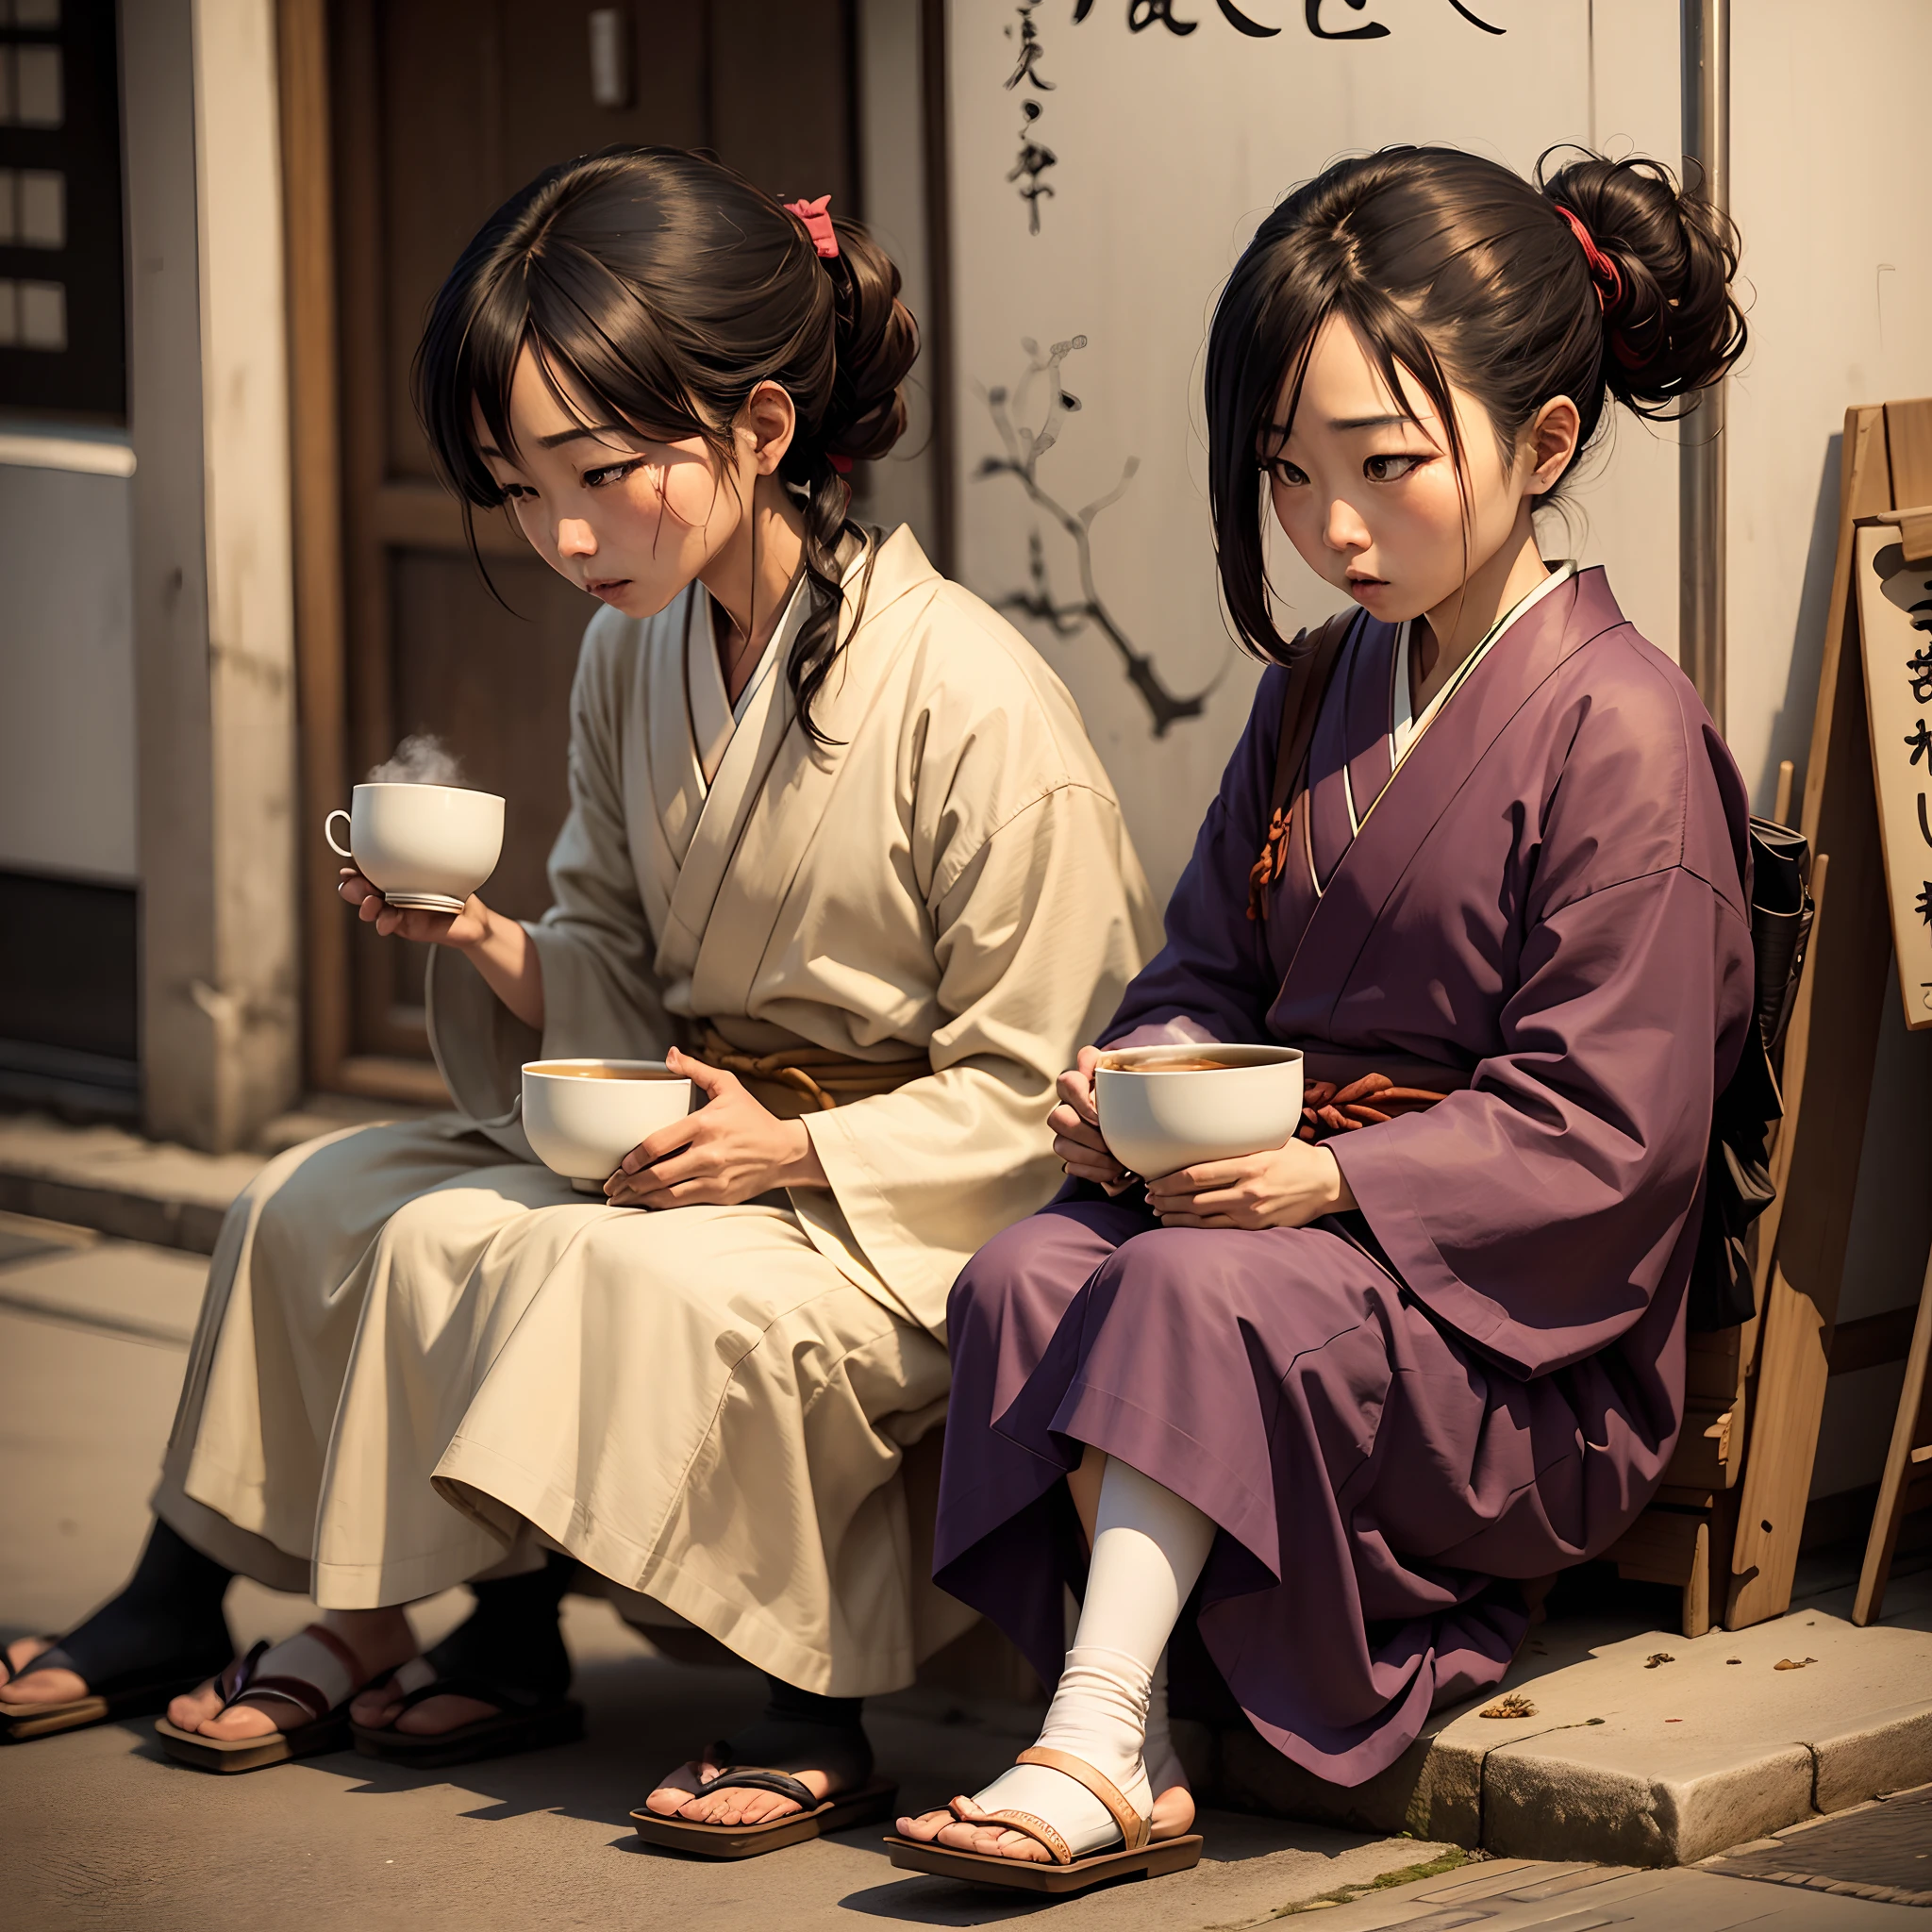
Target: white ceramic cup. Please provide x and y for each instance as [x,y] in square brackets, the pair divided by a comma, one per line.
[1156,1119]
[582,1127]
[424,846]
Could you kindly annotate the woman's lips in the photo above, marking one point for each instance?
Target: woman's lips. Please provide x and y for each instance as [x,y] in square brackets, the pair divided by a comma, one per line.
[1366,587]
[606,586]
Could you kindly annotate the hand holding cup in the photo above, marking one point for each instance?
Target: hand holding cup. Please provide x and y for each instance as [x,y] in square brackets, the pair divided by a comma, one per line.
[464,928]
[1075,1124]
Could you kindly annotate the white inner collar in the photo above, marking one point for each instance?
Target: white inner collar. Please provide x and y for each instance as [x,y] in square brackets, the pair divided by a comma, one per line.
[1404,727]
[713,717]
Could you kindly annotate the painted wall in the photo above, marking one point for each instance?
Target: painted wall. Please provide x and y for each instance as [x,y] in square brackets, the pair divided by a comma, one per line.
[1166,150]
[66,673]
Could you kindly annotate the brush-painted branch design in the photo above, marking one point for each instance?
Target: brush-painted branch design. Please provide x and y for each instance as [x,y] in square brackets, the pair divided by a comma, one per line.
[1024,445]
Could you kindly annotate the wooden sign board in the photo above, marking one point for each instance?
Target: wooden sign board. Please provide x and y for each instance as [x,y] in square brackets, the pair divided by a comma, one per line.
[1861,814]
[1895,630]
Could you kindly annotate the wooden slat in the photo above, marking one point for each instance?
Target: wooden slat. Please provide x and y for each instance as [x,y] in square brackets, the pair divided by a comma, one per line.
[1658,1546]
[1701,1459]
[1823,1135]
[1665,1546]
[383,1078]
[315,474]
[1873,1340]
[424,516]
[1908,450]
[1910,1453]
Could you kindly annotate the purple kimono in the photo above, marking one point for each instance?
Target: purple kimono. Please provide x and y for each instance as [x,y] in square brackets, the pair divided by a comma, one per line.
[1479,1377]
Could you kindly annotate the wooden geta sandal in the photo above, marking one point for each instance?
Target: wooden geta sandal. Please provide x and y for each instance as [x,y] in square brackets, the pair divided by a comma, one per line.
[1140,1856]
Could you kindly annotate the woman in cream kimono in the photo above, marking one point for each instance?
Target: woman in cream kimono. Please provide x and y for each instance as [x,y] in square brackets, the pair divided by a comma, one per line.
[840,849]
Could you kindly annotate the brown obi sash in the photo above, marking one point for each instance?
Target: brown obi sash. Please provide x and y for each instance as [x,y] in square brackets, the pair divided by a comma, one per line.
[796,1080]
[1343,1092]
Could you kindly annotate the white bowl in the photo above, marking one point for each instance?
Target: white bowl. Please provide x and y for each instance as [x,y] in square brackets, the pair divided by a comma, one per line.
[582,1127]
[1156,1118]
[422,846]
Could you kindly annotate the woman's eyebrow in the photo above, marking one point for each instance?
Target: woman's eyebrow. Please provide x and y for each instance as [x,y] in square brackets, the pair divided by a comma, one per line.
[596,429]
[1281,430]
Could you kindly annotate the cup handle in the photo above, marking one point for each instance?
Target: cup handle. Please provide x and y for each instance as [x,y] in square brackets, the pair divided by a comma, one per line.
[339,851]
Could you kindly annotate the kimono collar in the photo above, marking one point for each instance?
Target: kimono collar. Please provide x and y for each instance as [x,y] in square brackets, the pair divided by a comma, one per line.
[713,716]
[1560,573]
[1571,614]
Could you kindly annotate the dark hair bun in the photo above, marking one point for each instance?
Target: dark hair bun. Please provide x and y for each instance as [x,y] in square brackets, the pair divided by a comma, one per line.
[1674,326]
[878,342]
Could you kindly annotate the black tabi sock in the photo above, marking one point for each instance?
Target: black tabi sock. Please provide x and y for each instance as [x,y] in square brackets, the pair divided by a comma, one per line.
[803,1731]
[512,1636]
[170,1613]
[787,1704]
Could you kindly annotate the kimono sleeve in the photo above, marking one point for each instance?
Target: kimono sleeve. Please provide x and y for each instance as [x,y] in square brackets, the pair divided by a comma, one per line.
[1538,1212]
[1212,979]
[1035,934]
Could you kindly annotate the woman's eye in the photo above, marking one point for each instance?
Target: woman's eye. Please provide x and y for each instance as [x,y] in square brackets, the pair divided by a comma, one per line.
[1391,469]
[611,473]
[1285,473]
[518,493]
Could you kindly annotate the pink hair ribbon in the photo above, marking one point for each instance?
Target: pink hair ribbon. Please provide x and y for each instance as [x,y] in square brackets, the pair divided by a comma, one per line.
[1602,269]
[817,217]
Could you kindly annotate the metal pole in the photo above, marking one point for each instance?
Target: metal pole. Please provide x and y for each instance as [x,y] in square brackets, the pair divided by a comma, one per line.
[1701,507]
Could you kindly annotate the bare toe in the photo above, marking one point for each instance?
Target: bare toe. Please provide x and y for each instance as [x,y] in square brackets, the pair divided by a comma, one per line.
[678,1791]
[44,1687]
[192,1708]
[244,1720]
[374,1708]
[926,1826]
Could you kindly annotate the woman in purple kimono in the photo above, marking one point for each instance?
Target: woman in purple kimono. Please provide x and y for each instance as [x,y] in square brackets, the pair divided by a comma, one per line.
[1347,1395]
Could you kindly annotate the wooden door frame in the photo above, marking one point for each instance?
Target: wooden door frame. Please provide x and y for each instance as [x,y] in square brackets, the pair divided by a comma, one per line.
[320,556]
[326,526]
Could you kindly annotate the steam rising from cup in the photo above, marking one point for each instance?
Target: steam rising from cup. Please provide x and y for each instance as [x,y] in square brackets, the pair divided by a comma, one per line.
[421,760]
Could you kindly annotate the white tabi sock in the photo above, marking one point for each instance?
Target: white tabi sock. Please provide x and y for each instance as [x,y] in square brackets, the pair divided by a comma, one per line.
[1148,1549]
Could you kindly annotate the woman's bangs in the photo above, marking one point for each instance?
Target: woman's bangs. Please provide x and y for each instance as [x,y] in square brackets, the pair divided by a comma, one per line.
[602,352]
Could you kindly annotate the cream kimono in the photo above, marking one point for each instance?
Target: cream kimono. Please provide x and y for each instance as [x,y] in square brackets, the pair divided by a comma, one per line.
[422,1355]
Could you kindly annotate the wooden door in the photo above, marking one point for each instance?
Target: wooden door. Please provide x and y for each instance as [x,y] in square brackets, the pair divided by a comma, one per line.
[431,113]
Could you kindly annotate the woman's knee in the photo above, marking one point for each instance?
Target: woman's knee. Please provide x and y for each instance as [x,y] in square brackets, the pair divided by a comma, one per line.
[1022,1279]
[1210,1272]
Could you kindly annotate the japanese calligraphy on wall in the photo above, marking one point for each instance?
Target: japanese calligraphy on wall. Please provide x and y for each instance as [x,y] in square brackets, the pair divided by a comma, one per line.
[1895,627]
[1108,159]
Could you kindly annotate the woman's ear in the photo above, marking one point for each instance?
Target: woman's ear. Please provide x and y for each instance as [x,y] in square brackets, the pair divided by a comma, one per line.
[770,421]
[1551,442]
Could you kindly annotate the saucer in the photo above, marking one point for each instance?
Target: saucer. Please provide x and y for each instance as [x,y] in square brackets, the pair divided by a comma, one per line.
[422,902]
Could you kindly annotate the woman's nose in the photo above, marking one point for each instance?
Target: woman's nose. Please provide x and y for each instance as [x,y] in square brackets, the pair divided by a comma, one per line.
[574,538]
[1346,530]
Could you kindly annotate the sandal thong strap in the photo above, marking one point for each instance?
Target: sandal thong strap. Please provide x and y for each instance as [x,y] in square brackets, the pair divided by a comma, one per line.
[1134,1829]
[52,1658]
[506,1697]
[757,1778]
[1026,1822]
[241,1682]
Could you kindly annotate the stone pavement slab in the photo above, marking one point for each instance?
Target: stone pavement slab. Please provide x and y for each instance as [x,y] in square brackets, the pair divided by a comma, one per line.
[1524,1895]
[117,1182]
[1882,1850]
[1629,1762]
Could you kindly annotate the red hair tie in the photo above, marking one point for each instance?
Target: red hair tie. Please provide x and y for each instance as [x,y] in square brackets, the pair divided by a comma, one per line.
[817,217]
[1602,269]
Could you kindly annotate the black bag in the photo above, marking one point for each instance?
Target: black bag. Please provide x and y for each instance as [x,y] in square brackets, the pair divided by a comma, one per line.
[1737,1185]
